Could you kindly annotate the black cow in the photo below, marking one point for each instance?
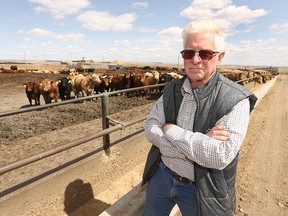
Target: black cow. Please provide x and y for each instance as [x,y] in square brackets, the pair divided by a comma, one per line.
[104,85]
[164,78]
[65,88]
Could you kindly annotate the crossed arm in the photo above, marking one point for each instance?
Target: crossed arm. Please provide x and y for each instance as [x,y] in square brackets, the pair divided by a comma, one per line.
[218,132]
[214,149]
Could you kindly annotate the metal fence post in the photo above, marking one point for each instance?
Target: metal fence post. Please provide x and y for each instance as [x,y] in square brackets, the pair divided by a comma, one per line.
[105,121]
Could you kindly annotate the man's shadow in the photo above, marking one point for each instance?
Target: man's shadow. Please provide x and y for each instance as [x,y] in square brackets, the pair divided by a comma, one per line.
[79,200]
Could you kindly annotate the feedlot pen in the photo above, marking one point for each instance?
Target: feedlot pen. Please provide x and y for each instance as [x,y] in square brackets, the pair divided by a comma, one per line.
[92,176]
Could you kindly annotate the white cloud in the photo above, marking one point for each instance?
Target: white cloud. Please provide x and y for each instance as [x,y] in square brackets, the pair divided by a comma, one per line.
[70,37]
[60,8]
[103,21]
[281,28]
[38,32]
[258,52]
[140,5]
[228,16]
[146,30]
[170,35]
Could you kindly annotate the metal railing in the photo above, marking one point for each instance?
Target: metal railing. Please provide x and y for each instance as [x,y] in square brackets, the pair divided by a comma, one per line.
[106,129]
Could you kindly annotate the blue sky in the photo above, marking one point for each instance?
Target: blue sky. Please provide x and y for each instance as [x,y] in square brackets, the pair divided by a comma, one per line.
[142,31]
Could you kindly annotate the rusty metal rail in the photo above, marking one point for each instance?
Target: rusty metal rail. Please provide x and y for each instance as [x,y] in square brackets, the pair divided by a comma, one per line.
[106,130]
[19,163]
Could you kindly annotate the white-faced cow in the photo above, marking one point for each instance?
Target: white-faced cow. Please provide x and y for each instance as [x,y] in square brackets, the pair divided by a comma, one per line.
[65,88]
[104,85]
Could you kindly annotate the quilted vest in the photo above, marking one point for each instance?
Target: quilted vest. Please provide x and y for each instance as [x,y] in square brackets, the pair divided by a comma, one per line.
[215,188]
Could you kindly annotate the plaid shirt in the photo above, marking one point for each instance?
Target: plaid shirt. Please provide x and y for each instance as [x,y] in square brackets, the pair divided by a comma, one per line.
[181,147]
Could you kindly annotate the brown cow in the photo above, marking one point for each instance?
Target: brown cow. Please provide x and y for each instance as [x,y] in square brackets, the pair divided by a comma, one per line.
[243,78]
[85,84]
[258,78]
[49,90]
[14,67]
[7,70]
[135,80]
[266,76]
[33,92]
[119,81]
[232,76]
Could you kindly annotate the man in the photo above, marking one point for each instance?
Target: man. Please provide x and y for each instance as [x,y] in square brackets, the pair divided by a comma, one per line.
[196,128]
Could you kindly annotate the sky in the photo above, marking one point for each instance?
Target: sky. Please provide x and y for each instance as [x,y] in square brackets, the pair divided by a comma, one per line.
[140,31]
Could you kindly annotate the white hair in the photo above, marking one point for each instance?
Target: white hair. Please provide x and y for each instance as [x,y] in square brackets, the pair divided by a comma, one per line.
[207,26]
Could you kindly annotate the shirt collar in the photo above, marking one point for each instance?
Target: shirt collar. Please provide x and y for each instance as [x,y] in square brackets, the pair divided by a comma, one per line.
[186,87]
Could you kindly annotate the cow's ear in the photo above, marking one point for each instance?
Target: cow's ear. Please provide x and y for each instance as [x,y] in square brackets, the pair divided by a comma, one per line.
[52,82]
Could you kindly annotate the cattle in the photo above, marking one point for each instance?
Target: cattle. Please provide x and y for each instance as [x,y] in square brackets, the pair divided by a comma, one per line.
[65,88]
[33,92]
[21,71]
[262,76]
[119,81]
[135,80]
[250,75]
[85,84]
[49,90]
[14,67]
[72,76]
[258,78]
[175,75]
[164,78]
[242,80]
[150,78]
[7,70]
[104,85]
[236,77]
[266,75]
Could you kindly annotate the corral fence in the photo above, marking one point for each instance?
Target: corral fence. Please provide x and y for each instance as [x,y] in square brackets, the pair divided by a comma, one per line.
[109,125]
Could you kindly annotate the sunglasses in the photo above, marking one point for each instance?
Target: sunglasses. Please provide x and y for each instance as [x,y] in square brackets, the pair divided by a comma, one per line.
[204,54]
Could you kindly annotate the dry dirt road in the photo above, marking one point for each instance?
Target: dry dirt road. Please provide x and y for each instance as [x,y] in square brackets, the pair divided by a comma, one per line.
[262,181]
[97,181]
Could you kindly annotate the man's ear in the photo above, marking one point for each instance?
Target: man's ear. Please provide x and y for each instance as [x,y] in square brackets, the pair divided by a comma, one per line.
[220,56]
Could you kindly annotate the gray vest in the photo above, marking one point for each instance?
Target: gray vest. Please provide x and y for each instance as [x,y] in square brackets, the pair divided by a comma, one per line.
[215,188]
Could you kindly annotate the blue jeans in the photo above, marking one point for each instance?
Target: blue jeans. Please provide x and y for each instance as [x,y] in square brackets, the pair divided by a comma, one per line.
[164,191]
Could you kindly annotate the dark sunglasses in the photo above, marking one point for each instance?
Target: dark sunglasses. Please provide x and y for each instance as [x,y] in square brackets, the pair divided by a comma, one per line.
[204,54]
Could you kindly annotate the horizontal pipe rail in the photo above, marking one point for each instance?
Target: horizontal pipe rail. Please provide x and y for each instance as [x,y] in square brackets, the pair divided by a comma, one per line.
[19,163]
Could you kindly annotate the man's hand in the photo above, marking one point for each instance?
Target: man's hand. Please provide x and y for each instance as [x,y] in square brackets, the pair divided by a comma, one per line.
[167,126]
[219,133]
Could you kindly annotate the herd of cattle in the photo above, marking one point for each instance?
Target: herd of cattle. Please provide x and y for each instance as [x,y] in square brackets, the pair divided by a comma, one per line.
[83,84]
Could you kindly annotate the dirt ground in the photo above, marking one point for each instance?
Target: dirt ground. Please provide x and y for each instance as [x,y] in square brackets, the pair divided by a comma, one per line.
[262,171]
[262,181]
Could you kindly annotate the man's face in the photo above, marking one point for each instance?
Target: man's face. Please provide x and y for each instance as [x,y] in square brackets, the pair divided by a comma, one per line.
[198,70]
